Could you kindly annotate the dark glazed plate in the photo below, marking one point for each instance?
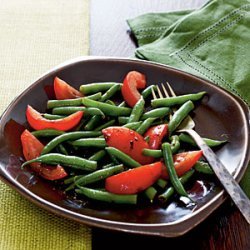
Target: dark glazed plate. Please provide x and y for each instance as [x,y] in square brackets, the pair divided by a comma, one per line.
[221,115]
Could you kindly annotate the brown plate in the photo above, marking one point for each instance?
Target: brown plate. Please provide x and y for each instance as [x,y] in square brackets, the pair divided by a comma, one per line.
[220,115]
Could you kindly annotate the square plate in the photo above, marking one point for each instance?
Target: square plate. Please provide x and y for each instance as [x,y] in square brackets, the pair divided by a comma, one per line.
[221,115]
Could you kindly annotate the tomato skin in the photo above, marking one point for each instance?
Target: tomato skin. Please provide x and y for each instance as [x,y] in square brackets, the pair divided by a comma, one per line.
[53,173]
[64,91]
[37,122]
[133,81]
[156,135]
[134,180]
[183,162]
[128,141]
[32,148]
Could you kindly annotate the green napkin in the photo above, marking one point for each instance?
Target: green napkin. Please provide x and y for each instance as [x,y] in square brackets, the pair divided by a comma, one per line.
[211,42]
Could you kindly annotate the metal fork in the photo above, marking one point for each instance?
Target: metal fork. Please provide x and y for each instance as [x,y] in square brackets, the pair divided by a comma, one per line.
[188,122]
[231,186]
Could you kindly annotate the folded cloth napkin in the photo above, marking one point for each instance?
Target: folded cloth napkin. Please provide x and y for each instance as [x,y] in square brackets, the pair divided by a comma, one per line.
[211,42]
[35,36]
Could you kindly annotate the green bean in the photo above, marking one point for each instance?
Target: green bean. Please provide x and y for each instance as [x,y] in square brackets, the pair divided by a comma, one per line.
[106,108]
[150,114]
[170,191]
[203,167]
[95,96]
[80,125]
[99,175]
[105,125]
[107,196]
[122,104]
[156,153]
[210,142]
[71,102]
[175,143]
[110,92]
[90,142]
[176,100]
[93,122]
[147,138]
[70,187]
[62,103]
[66,160]
[168,160]
[109,165]
[71,110]
[122,120]
[124,158]
[150,193]
[62,150]
[162,183]
[47,133]
[179,116]
[91,88]
[72,184]
[113,158]
[148,91]
[137,111]
[160,121]
[71,179]
[133,125]
[68,136]
[145,125]
[52,117]
[156,113]
[98,155]
[110,102]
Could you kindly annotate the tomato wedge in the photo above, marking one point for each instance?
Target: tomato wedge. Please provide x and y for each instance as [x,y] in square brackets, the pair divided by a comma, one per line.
[134,180]
[156,135]
[183,162]
[37,122]
[64,91]
[133,81]
[128,141]
[32,148]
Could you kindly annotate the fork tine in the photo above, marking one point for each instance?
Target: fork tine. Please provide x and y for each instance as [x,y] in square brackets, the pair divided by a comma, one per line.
[159,91]
[170,89]
[188,123]
[153,93]
[164,90]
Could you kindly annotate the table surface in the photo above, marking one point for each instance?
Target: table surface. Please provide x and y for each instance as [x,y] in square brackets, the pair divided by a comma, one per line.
[109,36]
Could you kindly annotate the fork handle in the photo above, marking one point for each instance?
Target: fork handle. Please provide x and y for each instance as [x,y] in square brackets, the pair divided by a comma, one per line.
[232,187]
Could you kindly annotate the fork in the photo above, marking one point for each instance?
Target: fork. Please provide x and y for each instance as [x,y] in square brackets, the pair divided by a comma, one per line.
[188,122]
[231,186]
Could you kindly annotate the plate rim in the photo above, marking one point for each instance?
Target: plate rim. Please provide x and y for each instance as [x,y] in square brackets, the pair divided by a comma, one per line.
[109,224]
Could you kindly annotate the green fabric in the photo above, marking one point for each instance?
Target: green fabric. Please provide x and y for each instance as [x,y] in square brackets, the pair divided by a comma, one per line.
[149,27]
[211,42]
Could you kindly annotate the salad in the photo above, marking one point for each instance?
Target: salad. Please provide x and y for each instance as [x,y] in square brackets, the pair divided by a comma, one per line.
[113,142]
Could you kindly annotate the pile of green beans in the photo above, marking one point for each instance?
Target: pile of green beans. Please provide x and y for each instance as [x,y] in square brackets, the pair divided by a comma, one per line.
[87,158]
